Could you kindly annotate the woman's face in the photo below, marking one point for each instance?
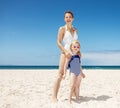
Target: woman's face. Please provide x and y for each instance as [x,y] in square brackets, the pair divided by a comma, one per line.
[68,18]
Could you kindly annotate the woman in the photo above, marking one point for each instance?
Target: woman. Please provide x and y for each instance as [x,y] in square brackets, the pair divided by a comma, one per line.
[66,35]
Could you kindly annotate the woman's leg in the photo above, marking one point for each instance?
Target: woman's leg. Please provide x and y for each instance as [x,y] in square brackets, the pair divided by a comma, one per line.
[72,85]
[59,77]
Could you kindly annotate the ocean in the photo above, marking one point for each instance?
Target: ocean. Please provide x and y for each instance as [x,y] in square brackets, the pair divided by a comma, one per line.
[55,67]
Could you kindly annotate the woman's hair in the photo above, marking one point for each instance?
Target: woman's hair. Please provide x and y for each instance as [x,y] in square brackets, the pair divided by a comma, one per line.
[69,13]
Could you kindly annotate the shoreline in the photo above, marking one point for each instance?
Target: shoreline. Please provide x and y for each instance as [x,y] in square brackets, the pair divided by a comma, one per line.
[37,67]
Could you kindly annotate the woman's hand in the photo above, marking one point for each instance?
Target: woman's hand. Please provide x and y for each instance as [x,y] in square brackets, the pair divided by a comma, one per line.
[68,55]
[64,75]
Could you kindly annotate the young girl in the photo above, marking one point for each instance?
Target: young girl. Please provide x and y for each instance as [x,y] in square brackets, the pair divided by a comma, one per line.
[76,73]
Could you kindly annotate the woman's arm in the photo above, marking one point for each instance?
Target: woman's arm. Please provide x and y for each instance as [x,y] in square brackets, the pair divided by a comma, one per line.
[59,41]
[60,38]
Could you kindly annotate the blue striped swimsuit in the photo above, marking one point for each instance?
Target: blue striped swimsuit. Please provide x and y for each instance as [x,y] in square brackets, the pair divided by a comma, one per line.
[74,64]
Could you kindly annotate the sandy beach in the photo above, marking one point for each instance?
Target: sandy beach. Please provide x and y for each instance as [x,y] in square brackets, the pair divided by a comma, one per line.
[33,89]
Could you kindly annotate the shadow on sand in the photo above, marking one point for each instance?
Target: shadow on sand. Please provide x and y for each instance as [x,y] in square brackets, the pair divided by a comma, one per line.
[86,99]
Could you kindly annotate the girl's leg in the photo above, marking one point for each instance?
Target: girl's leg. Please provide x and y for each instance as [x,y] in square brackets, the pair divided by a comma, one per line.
[59,77]
[72,85]
[73,94]
[77,87]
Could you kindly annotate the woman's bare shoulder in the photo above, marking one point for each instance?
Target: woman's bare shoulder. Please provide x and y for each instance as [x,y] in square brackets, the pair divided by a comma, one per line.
[75,29]
[62,28]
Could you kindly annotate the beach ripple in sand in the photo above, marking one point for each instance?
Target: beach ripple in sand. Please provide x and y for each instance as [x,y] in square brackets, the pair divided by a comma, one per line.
[33,89]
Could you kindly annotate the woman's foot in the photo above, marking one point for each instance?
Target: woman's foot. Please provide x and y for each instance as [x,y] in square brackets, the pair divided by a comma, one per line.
[70,101]
[55,100]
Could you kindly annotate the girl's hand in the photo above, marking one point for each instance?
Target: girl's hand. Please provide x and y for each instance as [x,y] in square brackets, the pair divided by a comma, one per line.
[83,75]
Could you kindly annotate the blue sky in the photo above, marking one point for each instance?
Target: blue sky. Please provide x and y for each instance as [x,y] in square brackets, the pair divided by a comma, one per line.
[28,31]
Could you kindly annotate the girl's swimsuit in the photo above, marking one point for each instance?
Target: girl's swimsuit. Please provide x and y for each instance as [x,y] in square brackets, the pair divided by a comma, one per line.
[74,64]
[68,38]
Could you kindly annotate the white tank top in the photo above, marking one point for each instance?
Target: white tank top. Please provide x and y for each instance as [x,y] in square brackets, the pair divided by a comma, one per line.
[68,38]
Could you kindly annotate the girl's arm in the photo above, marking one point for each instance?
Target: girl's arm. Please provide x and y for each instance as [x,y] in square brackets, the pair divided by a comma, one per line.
[83,75]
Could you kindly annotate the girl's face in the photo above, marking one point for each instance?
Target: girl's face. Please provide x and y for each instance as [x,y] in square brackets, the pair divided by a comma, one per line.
[68,18]
[75,48]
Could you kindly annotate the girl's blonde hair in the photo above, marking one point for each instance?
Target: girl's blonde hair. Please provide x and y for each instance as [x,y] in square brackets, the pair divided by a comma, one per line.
[75,42]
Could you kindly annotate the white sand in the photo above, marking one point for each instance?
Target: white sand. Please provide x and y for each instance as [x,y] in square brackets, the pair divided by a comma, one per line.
[33,89]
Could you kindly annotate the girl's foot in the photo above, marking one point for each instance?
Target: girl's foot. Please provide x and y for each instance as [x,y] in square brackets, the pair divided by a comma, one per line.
[73,94]
[70,102]
[77,99]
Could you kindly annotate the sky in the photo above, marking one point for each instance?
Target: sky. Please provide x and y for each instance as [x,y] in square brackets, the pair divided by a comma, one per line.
[28,31]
